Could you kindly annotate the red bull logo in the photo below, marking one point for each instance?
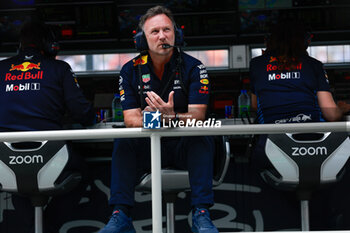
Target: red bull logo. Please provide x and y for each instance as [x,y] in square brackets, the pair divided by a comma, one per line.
[270,67]
[142,60]
[24,76]
[25,66]
[273,59]
[204,90]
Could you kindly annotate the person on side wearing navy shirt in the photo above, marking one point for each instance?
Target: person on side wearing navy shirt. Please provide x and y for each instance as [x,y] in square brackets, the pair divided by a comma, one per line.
[36,91]
[177,85]
[289,86]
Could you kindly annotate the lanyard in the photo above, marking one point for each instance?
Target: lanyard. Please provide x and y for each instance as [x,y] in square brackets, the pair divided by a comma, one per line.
[176,72]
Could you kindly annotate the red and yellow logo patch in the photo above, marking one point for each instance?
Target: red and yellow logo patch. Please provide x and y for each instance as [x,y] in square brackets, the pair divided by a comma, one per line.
[142,60]
[25,66]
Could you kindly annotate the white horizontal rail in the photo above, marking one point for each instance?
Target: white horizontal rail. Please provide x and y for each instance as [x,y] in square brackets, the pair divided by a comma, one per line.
[155,136]
[163,132]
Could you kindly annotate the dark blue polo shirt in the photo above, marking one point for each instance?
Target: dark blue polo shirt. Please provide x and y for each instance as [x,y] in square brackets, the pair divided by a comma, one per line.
[195,88]
[36,92]
[287,96]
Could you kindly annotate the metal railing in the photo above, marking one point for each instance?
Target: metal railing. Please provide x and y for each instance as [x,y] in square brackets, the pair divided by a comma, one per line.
[155,136]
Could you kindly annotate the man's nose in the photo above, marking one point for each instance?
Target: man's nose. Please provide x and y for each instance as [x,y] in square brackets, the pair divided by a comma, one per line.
[161,34]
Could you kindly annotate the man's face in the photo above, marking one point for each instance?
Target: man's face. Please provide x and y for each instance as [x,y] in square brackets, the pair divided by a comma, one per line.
[159,30]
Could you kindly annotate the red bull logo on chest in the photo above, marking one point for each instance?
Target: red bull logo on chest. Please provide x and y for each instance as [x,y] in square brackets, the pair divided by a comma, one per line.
[141,61]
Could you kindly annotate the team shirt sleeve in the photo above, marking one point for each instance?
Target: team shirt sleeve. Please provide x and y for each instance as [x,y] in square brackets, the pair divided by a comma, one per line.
[322,78]
[128,94]
[80,109]
[199,86]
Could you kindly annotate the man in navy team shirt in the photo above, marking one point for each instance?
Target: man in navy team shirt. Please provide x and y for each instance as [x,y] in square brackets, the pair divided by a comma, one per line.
[177,85]
[289,86]
[36,91]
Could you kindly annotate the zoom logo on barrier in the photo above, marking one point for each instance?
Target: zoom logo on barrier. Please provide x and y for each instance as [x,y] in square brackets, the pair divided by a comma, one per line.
[302,151]
[26,159]
[151,120]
